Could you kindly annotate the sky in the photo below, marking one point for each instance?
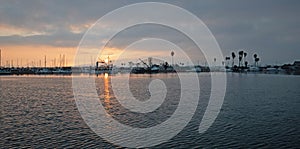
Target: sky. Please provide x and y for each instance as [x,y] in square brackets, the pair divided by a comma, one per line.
[31,29]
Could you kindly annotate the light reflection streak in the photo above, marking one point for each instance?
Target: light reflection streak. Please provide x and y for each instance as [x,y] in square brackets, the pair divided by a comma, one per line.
[107,96]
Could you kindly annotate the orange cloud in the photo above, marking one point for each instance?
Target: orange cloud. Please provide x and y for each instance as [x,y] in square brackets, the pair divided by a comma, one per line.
[76,29]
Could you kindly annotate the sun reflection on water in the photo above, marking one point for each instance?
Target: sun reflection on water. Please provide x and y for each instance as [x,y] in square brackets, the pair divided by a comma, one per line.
[107,96]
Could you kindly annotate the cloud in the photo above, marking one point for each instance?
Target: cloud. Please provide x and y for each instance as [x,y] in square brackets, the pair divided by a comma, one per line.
[60,39]
[270,28]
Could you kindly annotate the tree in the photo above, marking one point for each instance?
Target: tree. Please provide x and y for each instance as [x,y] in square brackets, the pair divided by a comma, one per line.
[245,55]
[233,57]
[255,57]
[246,64]
[172,54]
[256,61]
[241,54]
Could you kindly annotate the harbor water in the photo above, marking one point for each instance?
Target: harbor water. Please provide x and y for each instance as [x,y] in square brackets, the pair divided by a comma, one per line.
[259,111]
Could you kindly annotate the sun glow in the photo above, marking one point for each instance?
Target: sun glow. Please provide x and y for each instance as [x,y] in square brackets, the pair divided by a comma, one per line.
[106,60]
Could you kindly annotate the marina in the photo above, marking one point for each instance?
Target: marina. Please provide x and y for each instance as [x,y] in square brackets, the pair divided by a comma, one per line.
[156,75]
[150,65]
[289,69]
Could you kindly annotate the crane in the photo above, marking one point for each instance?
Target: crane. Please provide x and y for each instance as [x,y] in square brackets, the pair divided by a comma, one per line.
[144,63]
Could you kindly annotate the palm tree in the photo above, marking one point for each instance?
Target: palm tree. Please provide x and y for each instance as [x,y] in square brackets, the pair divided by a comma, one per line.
[256,61]
[241,54]
[233,57]
[246,64]
[245,55]
[255,57]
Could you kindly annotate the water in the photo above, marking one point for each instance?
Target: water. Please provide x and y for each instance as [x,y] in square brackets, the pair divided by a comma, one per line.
[259,110]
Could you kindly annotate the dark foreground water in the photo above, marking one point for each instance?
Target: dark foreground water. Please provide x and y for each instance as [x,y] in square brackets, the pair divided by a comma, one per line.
[259,111]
